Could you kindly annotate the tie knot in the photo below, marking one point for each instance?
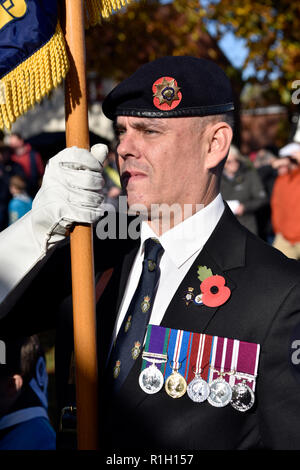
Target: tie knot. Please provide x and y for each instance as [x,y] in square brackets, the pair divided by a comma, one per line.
[152,249]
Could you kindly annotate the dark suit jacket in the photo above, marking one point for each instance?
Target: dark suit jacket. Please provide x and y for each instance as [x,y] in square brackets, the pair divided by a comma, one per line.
[264,308]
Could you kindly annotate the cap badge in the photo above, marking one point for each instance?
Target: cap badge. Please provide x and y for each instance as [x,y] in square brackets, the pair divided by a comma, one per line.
[166,94]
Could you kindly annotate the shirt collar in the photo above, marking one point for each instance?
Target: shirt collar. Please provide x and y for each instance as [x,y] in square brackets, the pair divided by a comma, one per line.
[185,239]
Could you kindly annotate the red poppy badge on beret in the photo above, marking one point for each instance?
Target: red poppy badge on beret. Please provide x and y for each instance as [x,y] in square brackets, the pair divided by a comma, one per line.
[166,94]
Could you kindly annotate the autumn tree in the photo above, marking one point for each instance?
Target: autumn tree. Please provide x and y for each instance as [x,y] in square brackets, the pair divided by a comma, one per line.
[271,30]
[148,29]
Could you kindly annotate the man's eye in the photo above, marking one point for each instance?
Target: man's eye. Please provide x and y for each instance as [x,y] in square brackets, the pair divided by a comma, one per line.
[119,132]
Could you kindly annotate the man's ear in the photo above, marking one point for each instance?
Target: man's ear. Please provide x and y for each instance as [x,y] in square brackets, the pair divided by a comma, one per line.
[220,140]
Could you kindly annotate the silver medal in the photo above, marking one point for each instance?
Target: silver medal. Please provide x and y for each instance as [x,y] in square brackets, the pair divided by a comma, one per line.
[220,393]
[198,390]
[151,379]
[242,397]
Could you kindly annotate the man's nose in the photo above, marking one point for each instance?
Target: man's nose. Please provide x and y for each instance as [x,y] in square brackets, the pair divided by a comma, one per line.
[128,146]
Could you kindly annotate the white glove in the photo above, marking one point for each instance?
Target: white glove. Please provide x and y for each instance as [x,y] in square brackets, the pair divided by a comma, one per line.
[70,193]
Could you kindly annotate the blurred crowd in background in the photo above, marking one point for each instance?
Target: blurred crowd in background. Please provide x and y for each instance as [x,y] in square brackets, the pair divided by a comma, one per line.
[262,188]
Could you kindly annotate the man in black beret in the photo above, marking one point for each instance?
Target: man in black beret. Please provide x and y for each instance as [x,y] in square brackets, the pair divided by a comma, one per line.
[198,323]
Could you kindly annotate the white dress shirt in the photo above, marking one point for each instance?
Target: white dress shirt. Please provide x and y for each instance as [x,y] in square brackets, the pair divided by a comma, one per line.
[181,244]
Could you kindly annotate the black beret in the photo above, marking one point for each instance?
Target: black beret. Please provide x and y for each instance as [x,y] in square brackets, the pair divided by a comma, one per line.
[172,87]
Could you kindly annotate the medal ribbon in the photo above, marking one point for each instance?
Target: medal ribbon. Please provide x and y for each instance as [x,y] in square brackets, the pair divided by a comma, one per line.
[204,354]
[221,359]
[156,343]
[200,356]
[178,350]
[247,363]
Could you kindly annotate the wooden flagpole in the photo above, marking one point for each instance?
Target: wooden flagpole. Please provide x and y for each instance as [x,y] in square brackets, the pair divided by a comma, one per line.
[84,317]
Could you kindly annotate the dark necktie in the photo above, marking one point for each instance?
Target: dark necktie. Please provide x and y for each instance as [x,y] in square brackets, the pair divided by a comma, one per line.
[129,342]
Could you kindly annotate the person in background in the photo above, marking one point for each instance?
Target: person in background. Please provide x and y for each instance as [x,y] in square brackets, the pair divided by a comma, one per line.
[8,168]
[285,202]
[30,160]
[265,164]
[21,202]
[24,421]
[112,184]
[242,188]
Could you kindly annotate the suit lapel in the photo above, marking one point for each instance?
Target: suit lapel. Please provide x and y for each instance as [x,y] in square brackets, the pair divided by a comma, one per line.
[194,317]
[225,250]
[109,304]
[125,271]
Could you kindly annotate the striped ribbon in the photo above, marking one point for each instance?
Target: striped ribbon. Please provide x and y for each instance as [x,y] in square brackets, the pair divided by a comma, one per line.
[210,356]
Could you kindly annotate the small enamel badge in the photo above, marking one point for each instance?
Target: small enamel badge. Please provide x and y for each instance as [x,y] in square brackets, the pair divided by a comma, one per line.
[166,94]
[135,352]
[213,290]
[145,305]
[189,296]
[198,299]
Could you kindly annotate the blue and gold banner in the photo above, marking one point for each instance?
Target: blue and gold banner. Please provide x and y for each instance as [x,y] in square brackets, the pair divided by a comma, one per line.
[33,58]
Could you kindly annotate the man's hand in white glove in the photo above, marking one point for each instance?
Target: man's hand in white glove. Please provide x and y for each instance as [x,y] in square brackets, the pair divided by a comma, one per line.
[71,192]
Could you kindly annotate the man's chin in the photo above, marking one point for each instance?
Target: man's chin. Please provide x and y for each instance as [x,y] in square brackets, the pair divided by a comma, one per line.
[138,208]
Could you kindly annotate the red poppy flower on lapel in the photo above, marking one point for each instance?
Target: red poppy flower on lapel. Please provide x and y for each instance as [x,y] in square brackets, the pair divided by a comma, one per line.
[214,291]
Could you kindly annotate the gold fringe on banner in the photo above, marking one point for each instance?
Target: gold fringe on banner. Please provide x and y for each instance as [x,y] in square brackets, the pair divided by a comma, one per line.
[97,9]
[34,78]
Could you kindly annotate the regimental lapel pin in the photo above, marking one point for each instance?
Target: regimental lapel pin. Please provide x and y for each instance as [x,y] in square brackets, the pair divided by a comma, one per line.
[189,296]
[213,291]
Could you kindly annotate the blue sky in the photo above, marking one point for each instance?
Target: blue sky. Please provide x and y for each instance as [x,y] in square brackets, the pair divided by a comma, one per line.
[235,50]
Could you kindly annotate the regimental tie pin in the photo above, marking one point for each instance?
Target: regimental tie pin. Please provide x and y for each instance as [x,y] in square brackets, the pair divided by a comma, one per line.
[135,351]
[145,305]
[117,369]
[128,323]
[213,291]
[151,265]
